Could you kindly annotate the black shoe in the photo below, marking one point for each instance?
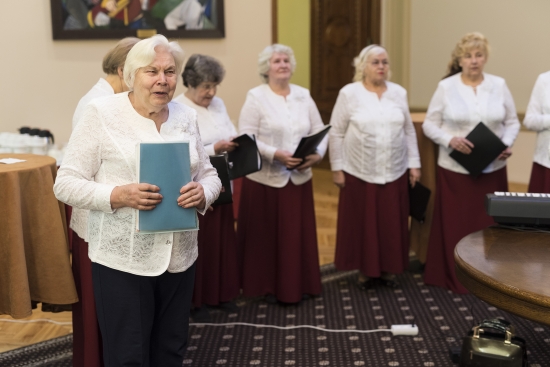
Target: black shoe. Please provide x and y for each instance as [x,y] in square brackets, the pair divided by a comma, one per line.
[390,283]
[271,299]
[366,284]
[200,315]
[229,307]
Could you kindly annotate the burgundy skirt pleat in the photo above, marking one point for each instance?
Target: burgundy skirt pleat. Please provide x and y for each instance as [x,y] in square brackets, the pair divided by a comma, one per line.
[278,241]
[372,231]
[540,179]
[459,210]
[216,273]
[87,344]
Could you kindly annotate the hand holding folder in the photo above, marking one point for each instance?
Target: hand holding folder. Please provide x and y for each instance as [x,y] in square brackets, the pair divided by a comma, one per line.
[487,147]
[308,145]
[245,159]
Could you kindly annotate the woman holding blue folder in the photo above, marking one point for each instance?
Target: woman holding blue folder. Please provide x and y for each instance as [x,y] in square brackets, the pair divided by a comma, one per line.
[143,283]
[465,97]
[276,231]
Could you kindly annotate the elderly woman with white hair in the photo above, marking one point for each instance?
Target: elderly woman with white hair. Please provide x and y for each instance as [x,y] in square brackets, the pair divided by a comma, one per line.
[373,156]
[276,229]
[465,97]
[143,283]
[86,334]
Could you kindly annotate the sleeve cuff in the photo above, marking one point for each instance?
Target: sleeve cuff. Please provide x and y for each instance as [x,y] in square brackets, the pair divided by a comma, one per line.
[336,166]
[103,195]
[269,154]
[209,149]
[414,163]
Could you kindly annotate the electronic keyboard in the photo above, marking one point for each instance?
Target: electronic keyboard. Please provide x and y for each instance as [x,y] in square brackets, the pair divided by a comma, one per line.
[518,208]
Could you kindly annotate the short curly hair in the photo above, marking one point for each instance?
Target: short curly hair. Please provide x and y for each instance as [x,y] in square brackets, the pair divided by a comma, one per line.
[469,42]
[360,61]
[200,69]
[267,53]
[116,57]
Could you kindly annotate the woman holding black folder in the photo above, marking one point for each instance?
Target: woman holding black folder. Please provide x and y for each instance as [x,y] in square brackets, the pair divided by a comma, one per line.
[373,157]
[276,231]
[216,274]
[465,97]
[143,282]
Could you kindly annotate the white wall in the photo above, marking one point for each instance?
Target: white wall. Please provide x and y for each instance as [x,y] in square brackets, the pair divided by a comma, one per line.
[42,80]
[517,32]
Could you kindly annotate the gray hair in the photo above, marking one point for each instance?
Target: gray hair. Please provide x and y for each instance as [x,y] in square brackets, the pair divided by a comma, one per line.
[360,62]
[143,54]
[202,68]
[116,57]
[265,56]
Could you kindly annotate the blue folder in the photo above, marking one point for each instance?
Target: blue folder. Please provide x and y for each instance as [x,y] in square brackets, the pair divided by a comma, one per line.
[166,165]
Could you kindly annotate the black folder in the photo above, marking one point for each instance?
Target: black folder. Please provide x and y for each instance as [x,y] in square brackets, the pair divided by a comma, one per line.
[487,147]
[309,143]
[419,196]
[220,164]
[245,159]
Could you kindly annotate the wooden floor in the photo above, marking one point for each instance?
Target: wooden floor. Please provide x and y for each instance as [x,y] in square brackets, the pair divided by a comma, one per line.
[15,335]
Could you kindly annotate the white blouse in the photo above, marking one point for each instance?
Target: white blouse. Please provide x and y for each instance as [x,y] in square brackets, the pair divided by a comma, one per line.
[214,123]
[455,109]
[280,123]
[102,155]
[373,138]
[537,118]
[79,217]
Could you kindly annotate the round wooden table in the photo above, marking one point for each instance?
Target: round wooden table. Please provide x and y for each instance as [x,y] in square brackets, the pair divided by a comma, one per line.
[508,269]
[34,253]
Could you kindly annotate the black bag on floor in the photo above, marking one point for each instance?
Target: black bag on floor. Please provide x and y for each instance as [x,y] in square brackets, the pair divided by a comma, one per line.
[492,343]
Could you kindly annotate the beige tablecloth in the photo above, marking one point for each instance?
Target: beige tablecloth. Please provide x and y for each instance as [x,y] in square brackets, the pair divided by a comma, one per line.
[34,253]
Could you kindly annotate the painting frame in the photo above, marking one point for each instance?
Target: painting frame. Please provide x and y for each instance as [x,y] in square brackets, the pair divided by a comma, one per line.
[60,33]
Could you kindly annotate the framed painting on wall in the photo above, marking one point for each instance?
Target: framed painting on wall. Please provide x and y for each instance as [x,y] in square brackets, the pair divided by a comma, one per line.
[115,19]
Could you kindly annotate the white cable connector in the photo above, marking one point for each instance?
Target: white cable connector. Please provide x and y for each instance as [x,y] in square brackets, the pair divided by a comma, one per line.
[408,329]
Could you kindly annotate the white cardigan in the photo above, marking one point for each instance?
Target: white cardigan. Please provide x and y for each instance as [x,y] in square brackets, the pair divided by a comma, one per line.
[214,123]
[79,217]
[280,123]
[373,138]
[537,118]
[100,156]
[455,109]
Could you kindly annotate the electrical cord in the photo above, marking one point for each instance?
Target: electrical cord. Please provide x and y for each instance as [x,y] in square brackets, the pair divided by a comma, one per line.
[260,326]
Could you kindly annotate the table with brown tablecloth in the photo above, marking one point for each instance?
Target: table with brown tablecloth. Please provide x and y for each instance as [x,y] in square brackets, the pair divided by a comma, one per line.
[34,253]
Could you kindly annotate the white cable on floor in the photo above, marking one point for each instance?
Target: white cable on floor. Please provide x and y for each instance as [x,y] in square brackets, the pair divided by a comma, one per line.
[37,320]
[259,326]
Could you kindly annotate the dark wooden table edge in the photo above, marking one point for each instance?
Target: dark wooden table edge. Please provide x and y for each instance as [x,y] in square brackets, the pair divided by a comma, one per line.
[501,296]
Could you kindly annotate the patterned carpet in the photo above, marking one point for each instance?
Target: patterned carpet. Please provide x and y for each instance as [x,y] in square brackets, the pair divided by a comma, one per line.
[442,317]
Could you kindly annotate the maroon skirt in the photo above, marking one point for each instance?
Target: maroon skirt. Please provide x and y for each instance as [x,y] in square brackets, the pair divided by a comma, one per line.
[540,179]
[278,241]
[216,273]
[87,344]
[459,210]
[372,233]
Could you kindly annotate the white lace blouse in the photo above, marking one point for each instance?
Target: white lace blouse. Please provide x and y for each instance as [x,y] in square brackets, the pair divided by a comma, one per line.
[455,109]
[101,156]
[280,123]
[372,138]
[537,118]
[214,122]
[79,217]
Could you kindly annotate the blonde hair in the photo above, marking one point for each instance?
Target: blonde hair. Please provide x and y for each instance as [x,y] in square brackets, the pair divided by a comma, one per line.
[265,56]
[143,54]
[360,61]
[116,57]
[469,42]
